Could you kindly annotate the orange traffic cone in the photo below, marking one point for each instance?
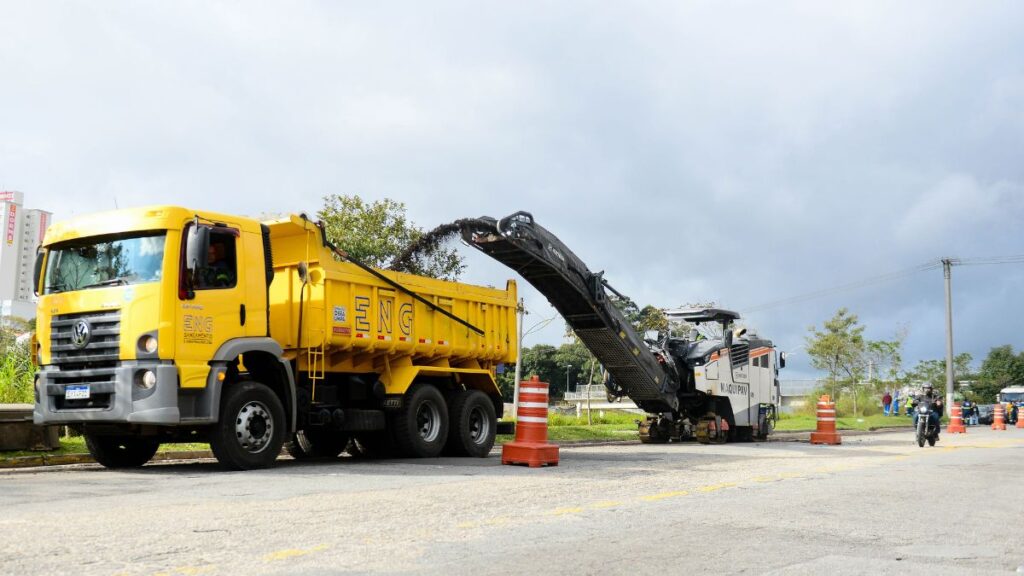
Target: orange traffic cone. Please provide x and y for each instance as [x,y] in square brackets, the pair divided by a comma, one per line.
[1020,418]
[531,445]
[826,433]
[998,418]
[956,420]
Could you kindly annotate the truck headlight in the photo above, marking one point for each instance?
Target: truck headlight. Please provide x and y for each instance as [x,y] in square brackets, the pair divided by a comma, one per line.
[145,379]
[148,343]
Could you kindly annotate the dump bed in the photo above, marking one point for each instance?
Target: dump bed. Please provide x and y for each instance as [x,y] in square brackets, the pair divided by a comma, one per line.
[357,318]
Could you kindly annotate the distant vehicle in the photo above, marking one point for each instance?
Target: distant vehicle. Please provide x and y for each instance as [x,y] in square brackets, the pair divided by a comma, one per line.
[985,413]
[1012,399]
[1013,394]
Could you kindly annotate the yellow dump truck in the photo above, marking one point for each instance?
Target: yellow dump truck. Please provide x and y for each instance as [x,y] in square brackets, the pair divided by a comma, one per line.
[165,324]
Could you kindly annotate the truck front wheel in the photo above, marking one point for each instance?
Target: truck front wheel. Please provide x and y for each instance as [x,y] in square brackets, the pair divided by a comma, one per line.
[421,425]
[121,451]
[251,429]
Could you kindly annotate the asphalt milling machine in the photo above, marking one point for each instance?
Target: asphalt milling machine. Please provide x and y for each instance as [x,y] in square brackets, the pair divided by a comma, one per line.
[716,384]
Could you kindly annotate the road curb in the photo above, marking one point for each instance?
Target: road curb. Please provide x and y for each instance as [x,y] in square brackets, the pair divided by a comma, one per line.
[69,459]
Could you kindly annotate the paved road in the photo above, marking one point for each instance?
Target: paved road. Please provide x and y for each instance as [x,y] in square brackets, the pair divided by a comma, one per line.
[876,504]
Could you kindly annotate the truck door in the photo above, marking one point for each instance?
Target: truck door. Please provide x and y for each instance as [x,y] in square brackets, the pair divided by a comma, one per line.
[215,312]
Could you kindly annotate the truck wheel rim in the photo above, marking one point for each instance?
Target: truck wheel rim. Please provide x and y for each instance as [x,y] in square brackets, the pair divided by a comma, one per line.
[479,425]
[254,427]
[428,421]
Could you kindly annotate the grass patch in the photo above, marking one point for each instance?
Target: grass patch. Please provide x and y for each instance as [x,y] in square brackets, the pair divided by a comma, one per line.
[607,425]
[792,423]
[76,445]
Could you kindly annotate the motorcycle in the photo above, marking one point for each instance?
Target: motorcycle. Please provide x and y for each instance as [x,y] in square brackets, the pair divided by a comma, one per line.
[926,430]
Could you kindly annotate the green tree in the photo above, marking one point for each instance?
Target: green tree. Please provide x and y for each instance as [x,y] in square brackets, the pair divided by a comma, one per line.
[375,233]
[1001,368]
[886,358]
[934,371]
[838,349]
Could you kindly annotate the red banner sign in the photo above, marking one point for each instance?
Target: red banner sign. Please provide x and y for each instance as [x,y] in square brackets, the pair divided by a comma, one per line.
[42,226]
[12,220]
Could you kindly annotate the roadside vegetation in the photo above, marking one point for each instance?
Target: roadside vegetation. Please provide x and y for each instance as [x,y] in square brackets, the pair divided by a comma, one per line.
[16,369]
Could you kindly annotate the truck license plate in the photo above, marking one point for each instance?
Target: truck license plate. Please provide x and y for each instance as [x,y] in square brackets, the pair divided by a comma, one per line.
[77,392]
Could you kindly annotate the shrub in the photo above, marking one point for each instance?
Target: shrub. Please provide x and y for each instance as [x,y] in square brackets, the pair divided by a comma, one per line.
[16,375]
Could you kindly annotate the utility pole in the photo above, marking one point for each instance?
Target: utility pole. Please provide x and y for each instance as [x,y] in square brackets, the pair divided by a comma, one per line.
[946,266]
[521,309]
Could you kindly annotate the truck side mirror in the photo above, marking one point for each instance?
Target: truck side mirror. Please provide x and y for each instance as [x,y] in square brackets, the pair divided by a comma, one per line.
[197,248]
[37,271]
[782,360]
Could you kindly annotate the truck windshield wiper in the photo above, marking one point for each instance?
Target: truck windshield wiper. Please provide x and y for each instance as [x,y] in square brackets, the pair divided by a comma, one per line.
[119,281]
[54,288]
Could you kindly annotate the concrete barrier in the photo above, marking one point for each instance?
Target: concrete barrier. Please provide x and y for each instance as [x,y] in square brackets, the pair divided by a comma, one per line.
[17,432]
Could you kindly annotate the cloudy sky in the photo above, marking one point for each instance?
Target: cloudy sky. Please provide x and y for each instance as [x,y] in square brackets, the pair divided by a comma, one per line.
[736,152]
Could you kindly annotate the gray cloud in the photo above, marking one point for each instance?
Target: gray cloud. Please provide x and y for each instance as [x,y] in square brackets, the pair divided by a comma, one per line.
[736,152]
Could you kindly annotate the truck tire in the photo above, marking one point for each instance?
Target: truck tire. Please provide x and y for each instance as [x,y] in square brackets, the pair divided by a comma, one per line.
[316,443]
[251,429]
[421,425]
[121,451]
[472,424]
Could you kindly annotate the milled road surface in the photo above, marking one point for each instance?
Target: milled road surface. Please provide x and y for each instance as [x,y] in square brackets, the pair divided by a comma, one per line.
[876,504]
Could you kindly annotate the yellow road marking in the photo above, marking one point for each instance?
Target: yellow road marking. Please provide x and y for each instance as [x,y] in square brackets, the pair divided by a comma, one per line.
[564,511]
[664,495]
[292,553]
[605,504]
[713,487]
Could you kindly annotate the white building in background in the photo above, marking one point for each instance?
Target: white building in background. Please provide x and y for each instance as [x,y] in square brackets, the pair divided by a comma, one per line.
[23,231]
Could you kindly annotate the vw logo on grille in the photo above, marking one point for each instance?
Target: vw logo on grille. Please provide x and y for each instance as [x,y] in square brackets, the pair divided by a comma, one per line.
[80,333]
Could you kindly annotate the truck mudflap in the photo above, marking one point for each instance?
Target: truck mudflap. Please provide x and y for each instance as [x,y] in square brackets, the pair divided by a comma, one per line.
[579,296]
[113,395]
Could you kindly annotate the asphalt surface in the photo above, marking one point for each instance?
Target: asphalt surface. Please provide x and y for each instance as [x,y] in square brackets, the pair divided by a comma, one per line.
[876,504]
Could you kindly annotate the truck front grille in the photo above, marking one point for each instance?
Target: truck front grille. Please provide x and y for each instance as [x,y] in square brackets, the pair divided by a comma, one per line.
[102,348]
[93,363]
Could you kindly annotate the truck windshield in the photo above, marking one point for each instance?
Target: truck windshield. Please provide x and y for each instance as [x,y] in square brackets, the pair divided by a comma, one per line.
[121,259]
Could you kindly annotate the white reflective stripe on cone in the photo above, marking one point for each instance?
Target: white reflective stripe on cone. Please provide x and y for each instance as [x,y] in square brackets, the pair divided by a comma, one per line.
[533,419]
[826,411]
[543,391]
[826,419]
[533,404]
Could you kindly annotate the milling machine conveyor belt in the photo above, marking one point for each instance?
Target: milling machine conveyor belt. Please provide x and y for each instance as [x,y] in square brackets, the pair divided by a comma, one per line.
[579,296]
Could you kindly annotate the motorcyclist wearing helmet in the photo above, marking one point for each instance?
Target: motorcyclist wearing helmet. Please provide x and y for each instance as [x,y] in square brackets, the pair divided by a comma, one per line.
[929,397]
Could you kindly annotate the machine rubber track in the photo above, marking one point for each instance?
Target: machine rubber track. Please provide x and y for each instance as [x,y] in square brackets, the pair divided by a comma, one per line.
[579,296]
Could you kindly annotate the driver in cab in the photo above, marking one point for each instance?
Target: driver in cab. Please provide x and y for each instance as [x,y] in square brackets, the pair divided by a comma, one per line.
[218,272]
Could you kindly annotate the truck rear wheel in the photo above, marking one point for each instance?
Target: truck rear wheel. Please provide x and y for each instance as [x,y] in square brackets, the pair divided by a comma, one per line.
[421,425]
[250,432]
[121,451]
[473,424]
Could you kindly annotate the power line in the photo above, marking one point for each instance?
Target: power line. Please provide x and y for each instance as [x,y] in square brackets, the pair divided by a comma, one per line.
[889,277]
[862,283]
